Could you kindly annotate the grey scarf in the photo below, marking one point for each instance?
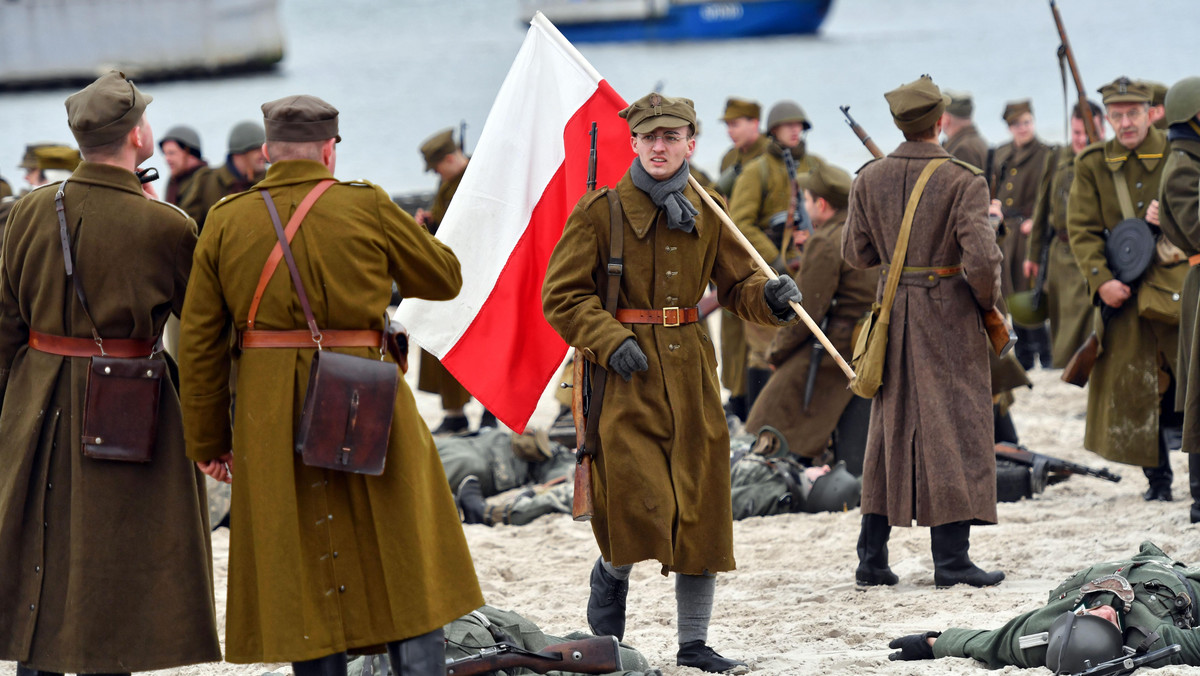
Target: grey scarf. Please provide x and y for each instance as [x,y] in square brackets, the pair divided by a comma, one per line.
[667,195]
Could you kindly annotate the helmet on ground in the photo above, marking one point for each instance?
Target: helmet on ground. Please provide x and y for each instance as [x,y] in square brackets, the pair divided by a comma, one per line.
[1079,642]
[836,491]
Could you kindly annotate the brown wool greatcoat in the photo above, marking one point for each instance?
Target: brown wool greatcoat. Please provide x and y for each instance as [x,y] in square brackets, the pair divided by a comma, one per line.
[105,566]
[661,478]
[320,561]
[929,450]
[1068,303]
[832,290]
[1179,218]
[968,145]
[1125,387]
[1018,173]
[433,377]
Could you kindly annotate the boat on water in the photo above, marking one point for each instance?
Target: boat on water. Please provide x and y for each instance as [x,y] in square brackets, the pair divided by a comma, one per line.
[671,20]
[61,42]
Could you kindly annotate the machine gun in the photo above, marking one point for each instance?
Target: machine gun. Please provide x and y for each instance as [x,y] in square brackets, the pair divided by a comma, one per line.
[1044,464]
[1127,664]
[597,655]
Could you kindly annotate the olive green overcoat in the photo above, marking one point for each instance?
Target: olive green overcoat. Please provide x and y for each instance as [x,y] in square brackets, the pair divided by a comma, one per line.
[1179,218]
[320,561]
[1018,173]
[930,448]
[661,478]
[968,145]
[1127,382]
[208,186]
[832,290]
[1068,303]
[105,566]
[761,191]
[433,377]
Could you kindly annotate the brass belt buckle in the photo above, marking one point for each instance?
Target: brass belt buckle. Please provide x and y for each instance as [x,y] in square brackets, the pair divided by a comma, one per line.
[667,322]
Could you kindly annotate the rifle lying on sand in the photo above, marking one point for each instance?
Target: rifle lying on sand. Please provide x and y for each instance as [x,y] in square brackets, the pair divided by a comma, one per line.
[1127,664]
[999,333]
[597,655]
[1046,464]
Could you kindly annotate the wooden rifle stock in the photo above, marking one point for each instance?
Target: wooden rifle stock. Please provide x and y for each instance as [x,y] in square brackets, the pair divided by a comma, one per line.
[861,133]
[598,655]
[1085,110]
[1079,369]
[582,505]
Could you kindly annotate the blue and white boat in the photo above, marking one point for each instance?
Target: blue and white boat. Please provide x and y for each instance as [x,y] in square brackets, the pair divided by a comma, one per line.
[669,20]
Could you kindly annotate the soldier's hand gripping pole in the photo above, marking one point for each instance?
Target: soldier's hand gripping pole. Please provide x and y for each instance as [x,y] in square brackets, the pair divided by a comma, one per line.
[770,273]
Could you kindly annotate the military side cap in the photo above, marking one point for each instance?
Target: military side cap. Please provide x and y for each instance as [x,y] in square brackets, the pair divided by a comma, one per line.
[185,136]
[57,157]
[1124,90]
[29,161]
[105,110]
[1158,91]
[1015,109]
[961,104]
[300,118]
[735,108]
[917,105]
[829,182]
[655,111]
[437,147]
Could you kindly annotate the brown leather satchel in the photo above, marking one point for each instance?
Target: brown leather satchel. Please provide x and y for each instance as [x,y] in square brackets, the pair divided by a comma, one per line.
[347,415]
[120,402]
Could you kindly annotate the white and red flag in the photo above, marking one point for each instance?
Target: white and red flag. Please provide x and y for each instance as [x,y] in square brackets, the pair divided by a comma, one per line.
[526,174]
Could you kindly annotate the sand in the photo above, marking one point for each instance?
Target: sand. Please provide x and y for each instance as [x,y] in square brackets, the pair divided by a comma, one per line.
[791,606]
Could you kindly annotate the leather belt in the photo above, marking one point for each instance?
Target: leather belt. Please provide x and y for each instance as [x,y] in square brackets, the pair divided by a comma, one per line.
[668,316]
[87,347]
[303,338]
[948,271]
[1193,261]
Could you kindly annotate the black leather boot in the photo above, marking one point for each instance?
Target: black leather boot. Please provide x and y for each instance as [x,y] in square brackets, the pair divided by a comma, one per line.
[951,564]
[873,567]
[418,656]
[330,665]
[23,670]
[1041,336]
[1160,477]
[606,604]
[471,504]
[1025,350]
[452,424]
[756,380]
[1005,430]
[1194,483]
[698,655]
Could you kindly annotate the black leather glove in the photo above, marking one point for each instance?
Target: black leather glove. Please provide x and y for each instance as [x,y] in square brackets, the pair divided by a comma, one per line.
[778,292]
[627,359]
[913,646]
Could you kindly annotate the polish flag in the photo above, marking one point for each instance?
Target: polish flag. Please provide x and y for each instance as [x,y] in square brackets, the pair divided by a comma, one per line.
[528,171]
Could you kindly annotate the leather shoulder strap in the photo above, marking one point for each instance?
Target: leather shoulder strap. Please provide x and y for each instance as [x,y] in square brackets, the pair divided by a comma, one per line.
[616,267]
[289,232]
[1123,196]
[896,268]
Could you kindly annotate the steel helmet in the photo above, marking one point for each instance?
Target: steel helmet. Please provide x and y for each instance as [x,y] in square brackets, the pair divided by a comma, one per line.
[1020,306]
[787,111]
[836,491]
[1183,100]
[246,136]
[1079,642]
[185,136]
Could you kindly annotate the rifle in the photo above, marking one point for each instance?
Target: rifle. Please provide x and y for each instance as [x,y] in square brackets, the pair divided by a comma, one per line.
[1024,456]
[1000,334]
[582,503]
[1079,369]
[796,213]
[814,365]
[597,655]
[1085,111]
[1127,664]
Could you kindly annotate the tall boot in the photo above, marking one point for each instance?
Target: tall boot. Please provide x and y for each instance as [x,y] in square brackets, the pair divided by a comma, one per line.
[1160,477]
[1041,336]
[1025,350]
[418,656]
[1005,430]
[330,665]
[873,567]
[1194,482]
[951,564]
[756,380]
[23,670]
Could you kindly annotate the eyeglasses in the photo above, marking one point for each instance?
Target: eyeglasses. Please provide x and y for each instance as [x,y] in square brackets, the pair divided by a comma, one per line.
[668,138]
[1130,115]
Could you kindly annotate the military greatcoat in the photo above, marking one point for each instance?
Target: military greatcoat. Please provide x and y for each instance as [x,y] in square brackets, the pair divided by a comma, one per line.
[1018,173]
[1127,382]
[1179,217]
[968,145]
[929,450]
[832,291]
[208,186]
[105,566]
[433,377]
[1068,303]
[661,478]
[320,561]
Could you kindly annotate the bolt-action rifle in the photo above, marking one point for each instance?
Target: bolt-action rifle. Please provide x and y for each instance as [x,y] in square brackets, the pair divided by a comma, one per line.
[582,399]
[597,655]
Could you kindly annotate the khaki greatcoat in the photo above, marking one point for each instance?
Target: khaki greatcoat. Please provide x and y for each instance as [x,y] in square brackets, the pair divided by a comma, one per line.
[1179,218]
[1136,355]
[208,186]
[1018,173]
[661,478]
[968,145]
[832,290]
[929,450]
[105,566]
[320,561]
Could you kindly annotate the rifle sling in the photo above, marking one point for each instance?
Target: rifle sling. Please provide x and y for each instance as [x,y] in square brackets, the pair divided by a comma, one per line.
[897,264]
[1123,196]
[616,267]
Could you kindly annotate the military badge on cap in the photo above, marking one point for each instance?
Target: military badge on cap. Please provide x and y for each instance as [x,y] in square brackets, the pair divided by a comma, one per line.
[1124,90]
[655,111]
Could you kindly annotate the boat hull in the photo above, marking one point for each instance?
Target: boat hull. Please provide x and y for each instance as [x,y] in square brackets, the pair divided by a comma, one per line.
[706,21]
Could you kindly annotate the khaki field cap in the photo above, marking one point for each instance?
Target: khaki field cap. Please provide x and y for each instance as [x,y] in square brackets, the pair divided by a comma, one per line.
[655,111]
[57,157]
[1124,90]
[29,161]
[961,104]
[105,110]
[829,182]
[735,108]
[916,105]
[1015,109]
[300,118]
[437,147]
